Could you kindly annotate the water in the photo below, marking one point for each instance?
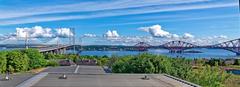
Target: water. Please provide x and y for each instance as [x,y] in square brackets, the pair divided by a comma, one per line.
[206,53]
[236,72]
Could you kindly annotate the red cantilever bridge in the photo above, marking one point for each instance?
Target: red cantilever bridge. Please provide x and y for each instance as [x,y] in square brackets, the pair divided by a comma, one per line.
[180,46]
[172,46]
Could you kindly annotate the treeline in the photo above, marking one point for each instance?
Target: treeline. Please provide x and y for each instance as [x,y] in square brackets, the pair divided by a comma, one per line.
[21,60]
[221,62]
[101,60]
[205,75]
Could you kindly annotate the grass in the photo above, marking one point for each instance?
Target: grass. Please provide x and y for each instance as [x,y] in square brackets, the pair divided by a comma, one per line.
[234,66]
[37,70]
[233,81]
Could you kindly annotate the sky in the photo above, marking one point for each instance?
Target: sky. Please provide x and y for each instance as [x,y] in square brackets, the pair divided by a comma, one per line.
[119,22]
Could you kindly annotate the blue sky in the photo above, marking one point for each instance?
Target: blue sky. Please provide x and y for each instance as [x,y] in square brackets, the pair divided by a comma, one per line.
[199,18]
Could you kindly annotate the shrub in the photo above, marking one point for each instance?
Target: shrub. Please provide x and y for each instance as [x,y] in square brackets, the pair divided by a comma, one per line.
[102,61]
[205,76]
[52,63]
[73,57]
[17,61]
[60,56]
[209,77]
[3,62]
[36,58]
[134,65]
[50,56]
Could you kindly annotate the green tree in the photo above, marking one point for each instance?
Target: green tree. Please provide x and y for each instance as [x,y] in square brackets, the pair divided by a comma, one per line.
[73,57]
[209,77]
[102,61]
[119,67]
[50,56]
[37,60]
[17,61]
[205,75]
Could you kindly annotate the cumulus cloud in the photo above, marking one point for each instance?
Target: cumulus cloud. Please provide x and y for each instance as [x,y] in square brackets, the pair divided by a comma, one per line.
[111,34]
[35,32]
[64,32]
[40,32]
[156,31]
[175,36]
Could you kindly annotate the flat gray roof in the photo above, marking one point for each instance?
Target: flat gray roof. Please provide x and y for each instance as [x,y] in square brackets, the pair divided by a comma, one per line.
[108,80]
[94,76]
[15,79]
[88,76]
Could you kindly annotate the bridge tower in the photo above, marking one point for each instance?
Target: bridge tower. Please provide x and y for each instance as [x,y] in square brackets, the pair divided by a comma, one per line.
[72,39]
[177,46]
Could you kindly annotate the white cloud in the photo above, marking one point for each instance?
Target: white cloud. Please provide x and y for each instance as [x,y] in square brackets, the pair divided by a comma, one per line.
[40,32]
[175,36]
[64,32]
[210,40]
[221,37]
[165,36]
[34,32]
[15,40]
[111,34]
[187,36]
[2,37]
[89,35]
[156,31]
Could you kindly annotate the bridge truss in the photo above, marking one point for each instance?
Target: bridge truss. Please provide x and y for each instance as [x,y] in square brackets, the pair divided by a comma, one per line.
[142,46]
[178,46]
[232,45]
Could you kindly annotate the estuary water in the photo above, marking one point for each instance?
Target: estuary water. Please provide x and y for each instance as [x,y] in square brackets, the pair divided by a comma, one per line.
[206,53]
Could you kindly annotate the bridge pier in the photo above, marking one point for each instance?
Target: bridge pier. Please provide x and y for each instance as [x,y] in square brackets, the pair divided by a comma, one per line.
[175,51]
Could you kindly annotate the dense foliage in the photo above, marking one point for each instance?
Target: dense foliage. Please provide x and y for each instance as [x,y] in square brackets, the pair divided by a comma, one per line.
[17,61]
[22,60]
[3,61]
[52,63]
[36,59]
[146,63]
[237,62]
